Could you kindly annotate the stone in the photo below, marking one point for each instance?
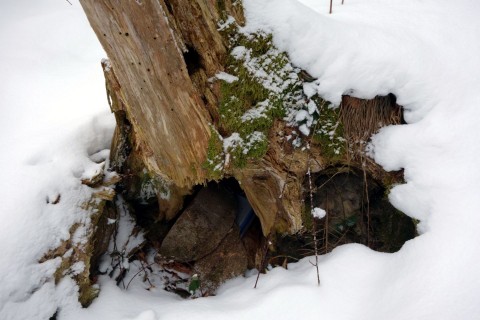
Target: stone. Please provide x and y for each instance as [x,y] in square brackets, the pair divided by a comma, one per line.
[229,260]
[201,227]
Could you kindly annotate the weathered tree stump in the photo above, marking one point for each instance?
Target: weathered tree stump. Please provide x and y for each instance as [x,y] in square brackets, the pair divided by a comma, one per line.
[163,55]
[191,108]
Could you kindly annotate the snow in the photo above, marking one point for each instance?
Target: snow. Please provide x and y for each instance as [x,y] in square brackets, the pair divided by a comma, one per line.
[277,81]
[126,239]
[318,213]
[256,112]
[304,115]
[425,52]
[224,25]
[50,135]
[226,77]
[232,142]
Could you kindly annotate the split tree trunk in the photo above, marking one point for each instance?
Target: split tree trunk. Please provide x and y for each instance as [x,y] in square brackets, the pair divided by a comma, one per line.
[163,53]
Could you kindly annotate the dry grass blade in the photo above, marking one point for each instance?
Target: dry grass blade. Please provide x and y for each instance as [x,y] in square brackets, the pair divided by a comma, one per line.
[361,119]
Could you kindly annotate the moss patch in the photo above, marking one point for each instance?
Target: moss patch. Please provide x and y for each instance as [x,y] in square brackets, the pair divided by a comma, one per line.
[266,86]
[215,157]
[329,133]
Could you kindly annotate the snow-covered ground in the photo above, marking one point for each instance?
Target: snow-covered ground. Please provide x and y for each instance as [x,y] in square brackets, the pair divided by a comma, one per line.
[54,115]
[424,51]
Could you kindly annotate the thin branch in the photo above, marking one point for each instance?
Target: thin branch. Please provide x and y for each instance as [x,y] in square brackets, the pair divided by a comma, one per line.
[327,209]
[314,224]
[141,270]
[368,202]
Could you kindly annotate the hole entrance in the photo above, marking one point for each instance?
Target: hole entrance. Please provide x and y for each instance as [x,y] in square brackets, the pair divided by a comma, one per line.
[358,211]
[192,60]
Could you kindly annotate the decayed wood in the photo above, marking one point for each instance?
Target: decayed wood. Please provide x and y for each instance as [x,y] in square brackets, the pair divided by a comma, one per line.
[166,110]
[274,185]
[162,54]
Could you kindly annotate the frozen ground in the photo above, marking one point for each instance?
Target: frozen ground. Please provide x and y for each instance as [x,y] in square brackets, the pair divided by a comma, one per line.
[425,52]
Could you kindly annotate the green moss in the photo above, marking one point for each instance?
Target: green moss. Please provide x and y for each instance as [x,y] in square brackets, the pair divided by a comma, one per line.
[255,148]
[263,92]
[329,133]
[214,162]
[269,88]
[238,97]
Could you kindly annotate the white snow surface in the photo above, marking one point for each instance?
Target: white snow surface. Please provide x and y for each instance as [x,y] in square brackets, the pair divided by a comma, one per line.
[424,51]
[51,135]
[318,213]
[226,77]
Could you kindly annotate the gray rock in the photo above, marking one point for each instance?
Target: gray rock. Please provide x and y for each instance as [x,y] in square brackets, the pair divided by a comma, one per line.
[201,227]
[229,260]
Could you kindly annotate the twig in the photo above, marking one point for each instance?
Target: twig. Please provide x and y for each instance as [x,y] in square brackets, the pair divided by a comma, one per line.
[314,224]
[326,224]
[136,274]
[368,202]
[331,4]
[69,2]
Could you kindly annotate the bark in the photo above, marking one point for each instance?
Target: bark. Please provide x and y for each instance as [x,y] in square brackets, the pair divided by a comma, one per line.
[166,111]
[162,54]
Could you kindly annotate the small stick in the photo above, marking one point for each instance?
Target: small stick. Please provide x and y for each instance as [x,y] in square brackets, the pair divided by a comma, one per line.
[368,202]
[136,274]
[314,224]
[331,3]
[326,224]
